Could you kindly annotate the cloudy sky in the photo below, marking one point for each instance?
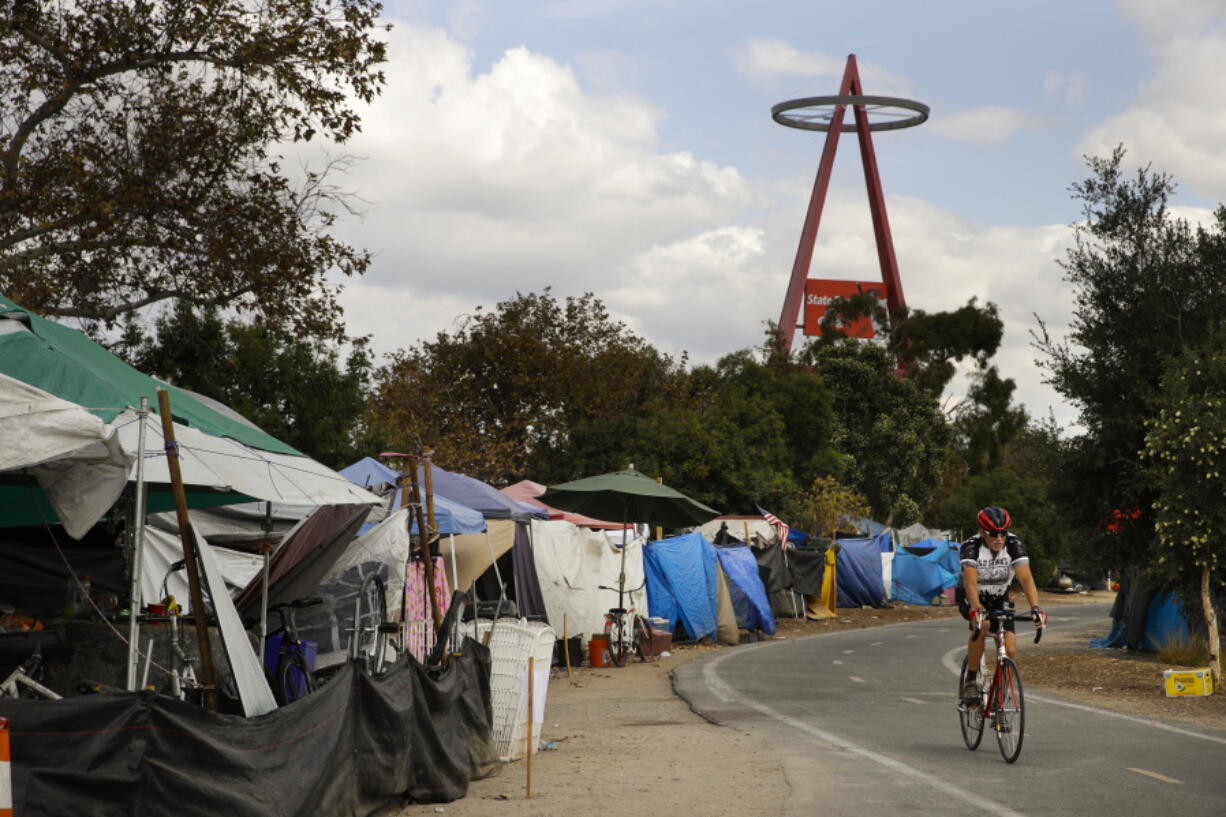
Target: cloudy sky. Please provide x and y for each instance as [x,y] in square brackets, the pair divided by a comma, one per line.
[625,147]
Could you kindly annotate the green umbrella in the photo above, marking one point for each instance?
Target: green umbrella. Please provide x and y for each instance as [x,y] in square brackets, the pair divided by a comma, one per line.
[629,496]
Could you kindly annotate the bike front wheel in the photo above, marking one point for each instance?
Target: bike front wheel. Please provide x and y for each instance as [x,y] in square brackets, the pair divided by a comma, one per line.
[294,680]
[970,717]
[619,642]
[1009,715]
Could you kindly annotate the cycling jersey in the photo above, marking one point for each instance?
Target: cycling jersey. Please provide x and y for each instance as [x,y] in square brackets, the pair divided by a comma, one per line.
[996,570]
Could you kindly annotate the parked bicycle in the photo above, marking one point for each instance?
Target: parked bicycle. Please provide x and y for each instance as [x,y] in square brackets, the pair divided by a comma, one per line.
[371,637]
[1002,702]
[290,677]
[625,630]
[23,681]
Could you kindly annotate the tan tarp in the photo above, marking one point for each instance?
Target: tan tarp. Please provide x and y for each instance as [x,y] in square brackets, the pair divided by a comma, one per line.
[476,552]
[726,629]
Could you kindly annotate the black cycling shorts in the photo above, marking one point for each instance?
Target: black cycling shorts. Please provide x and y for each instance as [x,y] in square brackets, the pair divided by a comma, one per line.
[987,603]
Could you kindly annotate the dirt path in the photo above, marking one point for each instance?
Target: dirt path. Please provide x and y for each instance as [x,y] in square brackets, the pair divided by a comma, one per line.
[626,746]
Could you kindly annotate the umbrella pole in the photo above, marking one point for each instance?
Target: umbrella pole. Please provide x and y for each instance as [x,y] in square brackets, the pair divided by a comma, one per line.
[427,538]
[138,543]
[266,549]
[791,587]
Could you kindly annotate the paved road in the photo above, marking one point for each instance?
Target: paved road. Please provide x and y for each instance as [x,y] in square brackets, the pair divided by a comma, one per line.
[866,725]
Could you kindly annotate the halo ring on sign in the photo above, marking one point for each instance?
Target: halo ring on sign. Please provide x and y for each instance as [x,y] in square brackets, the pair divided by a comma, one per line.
[816,112]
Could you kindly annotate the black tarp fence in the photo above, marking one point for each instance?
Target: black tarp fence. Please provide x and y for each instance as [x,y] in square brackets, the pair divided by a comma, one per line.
[357,746]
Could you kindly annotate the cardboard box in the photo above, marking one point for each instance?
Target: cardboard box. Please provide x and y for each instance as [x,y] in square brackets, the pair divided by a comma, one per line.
[1188,682]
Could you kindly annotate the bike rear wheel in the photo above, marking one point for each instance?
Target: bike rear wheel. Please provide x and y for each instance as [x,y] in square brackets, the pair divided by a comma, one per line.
[970,717]
[1009,715]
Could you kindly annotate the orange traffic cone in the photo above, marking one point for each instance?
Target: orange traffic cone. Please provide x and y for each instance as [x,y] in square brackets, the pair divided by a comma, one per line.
[6,774]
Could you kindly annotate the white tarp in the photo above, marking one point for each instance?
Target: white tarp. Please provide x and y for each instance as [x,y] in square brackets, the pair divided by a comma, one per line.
[162,549]
[76,459]
[572,563]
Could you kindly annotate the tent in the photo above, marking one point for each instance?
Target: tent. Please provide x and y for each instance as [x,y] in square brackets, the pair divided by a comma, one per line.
[749,601]
[572,563]
[1145,617]
[924,570]
[450,516]
[480,496]
[526,492]
[223,461]
[684,586]
[860,581]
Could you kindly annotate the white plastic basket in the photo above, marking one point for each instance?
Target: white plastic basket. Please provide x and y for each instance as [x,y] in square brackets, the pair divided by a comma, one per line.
[511,644]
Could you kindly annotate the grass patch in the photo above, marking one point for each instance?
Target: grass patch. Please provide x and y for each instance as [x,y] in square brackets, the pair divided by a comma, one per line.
[1185,652]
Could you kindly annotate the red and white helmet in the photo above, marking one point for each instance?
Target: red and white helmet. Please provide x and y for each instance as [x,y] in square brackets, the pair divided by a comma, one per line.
[995,520]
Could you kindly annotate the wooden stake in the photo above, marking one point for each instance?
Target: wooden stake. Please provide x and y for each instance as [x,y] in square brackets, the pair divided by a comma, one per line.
[423,536]
[566,644]
[531,678]
[188,536]
[746,524]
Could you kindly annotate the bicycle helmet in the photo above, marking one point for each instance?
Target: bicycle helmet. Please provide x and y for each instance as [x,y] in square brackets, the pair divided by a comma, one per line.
[994,519]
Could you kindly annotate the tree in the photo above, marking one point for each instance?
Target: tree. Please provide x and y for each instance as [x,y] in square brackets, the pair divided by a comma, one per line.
[499,397]
[988,422]
[890,431]
[1185,448]
[1147,286]
[139,160]
[824,503]
[294,389]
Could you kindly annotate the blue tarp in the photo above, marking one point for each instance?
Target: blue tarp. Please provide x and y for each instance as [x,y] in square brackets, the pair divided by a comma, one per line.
[452,517]
[860,580]
[923,570]
[475,494]
[753,609]
[681,583]
[1164,624]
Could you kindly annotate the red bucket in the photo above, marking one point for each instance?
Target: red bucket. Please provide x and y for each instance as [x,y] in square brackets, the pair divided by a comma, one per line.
[598,651]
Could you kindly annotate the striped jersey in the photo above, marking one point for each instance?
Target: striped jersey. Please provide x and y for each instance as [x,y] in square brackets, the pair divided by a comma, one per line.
[995,569]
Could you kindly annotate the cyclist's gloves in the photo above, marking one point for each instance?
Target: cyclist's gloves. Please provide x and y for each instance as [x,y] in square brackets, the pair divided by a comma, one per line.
[1038,616]
[975,618]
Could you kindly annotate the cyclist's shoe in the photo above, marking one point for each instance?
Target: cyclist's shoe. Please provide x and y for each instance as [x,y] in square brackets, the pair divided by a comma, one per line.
[970,693]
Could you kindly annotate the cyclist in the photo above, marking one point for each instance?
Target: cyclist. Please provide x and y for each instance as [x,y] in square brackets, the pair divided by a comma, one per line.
[990,560]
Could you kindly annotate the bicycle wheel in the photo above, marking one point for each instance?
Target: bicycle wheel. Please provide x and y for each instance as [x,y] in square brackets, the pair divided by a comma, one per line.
[619,642]
[371,613]
[1009,717]
[970,717]
[294,680]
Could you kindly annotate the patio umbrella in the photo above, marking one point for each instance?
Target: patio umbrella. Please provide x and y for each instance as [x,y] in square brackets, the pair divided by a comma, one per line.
[630,496]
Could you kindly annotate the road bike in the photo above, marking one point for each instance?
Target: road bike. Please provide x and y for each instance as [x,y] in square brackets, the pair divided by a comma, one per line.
[371,638]
[625,631]
[290,676]
[1001,702]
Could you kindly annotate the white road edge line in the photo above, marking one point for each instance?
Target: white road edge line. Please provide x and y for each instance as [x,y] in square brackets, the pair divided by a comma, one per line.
[857,679]
[915,701]
[1155,775]
[956,667]
[726,693]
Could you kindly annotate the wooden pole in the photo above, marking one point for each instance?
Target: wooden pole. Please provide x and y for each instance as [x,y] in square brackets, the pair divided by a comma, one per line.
[423,537]
[188,537]
[566,643]
[746,524]
[528,737]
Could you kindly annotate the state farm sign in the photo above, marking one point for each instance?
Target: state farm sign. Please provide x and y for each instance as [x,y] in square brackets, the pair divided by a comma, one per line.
[821,292]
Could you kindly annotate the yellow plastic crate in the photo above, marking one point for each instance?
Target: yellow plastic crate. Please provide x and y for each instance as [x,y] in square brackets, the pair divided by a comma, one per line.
[1188,682]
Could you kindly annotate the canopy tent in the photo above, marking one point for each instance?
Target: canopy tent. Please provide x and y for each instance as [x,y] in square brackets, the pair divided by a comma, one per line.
[450,516]
[749,601]
[475,494]
[526,492]
[222,460]
[572,564]
[924,570]
[860,581]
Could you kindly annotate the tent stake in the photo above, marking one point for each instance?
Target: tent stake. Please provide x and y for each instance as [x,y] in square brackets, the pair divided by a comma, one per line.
[199,614]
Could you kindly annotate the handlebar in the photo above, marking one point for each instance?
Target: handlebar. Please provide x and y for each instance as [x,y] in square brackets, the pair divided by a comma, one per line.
[1008,614]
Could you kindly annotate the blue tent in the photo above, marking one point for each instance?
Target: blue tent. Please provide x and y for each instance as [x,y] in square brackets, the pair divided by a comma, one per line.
[452,517]
[923,570]
[475,494]
[682,584]
[860,580]
[753,609]
[1161,623]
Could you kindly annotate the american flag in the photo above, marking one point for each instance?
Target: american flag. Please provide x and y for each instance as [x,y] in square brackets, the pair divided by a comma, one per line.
[778,524]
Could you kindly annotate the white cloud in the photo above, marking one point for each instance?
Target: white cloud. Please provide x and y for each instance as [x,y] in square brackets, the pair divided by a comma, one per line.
[1070,88]
[1178,120]
[764,57]
[988,125]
